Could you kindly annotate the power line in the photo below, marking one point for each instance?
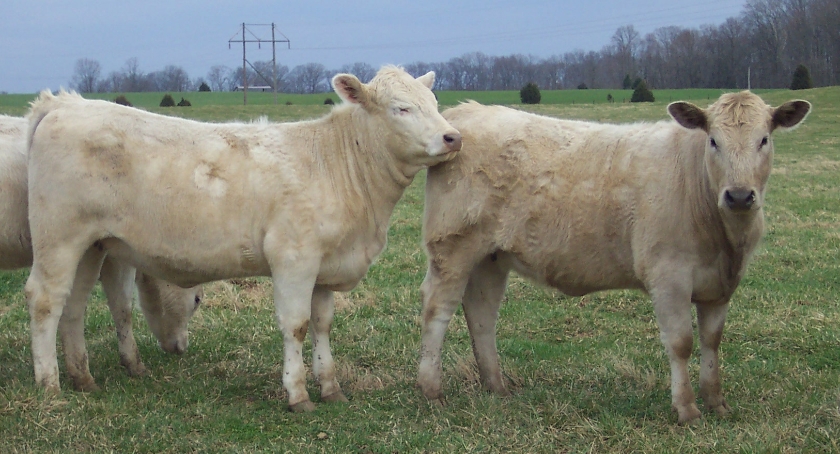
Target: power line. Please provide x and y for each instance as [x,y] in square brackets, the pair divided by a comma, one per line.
[256,39]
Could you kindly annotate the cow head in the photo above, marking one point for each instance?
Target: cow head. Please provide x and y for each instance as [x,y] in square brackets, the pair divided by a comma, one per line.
[739,149]
[168,309]
[408,110]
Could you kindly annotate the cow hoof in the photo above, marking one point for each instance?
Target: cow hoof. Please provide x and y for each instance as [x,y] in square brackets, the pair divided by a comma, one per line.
[135,370]
[85,385]
[723,410]
[305,406]
[335,397]
[688,415]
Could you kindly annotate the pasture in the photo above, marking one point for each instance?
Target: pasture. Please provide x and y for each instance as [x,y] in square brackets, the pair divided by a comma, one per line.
[587,374]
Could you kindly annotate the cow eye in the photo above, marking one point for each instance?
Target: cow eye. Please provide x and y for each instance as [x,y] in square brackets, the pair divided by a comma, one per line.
[763,141]
[713,143]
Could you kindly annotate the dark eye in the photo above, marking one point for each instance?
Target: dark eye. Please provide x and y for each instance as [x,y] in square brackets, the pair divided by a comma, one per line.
[763,142]
[713,143]
[197,300]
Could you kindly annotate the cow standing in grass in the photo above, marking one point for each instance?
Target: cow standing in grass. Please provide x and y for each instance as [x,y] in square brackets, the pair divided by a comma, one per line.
[671,208]
[168,308]
[306,203]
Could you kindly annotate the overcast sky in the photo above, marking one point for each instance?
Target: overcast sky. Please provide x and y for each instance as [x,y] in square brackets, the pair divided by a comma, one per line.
[40,40]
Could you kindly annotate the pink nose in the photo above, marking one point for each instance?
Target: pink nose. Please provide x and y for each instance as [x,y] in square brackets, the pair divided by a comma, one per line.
[453,141]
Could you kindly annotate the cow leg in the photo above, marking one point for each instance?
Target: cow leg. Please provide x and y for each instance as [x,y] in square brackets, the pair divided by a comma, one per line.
[293,291]
[441,296]
[71,327]
[482,298]
[118,283]
[323,366]
[710,321]
[673,315]
[47,289]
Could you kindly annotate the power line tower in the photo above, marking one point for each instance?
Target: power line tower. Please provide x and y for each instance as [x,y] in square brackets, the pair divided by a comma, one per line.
[245,36]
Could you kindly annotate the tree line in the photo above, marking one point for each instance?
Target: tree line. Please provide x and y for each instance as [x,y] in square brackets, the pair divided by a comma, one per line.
[761,48]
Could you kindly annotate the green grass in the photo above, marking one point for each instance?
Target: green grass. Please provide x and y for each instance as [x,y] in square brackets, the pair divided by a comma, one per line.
[587,374]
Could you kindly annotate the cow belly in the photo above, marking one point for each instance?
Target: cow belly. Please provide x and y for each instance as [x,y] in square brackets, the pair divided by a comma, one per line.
[576,276]
[189,269]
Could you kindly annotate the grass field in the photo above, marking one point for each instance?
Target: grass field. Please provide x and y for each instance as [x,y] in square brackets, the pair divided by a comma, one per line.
[587,374]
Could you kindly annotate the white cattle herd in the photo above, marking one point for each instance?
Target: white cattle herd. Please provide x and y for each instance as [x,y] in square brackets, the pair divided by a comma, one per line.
[92,189]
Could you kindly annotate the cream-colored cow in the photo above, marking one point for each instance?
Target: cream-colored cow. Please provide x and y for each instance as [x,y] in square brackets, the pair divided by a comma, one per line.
[672,208]
[168,308]
[306,203]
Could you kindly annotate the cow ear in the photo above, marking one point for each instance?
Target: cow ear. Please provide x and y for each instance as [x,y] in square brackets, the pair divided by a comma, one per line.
[688,115]
[350,89]
[428,79]
[790,114]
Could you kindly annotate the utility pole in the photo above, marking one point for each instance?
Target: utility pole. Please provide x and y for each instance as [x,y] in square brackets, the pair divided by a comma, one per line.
[253,38]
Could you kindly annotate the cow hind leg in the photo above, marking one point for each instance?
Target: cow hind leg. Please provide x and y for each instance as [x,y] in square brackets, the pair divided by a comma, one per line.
[118,283]
[441,297]
[71,327]
[49,285]
[673,315]
[710,321]
[482,298]
[323,366]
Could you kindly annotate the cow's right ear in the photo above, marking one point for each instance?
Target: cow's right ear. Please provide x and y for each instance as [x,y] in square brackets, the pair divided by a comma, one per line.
[350,89]
[688,115]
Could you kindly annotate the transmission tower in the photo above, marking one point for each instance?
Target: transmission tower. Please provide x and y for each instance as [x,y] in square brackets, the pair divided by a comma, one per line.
[245,36]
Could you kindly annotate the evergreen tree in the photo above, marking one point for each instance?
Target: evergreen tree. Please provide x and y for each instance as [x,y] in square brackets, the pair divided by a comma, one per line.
[642,93]
[167,101]
[627,83]
[801,78]
[530,94]
[203,87]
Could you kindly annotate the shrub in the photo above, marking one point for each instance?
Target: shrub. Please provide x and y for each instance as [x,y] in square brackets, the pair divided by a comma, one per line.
[627,83]
[329,102]
[184,103]
[123,101]
[167,101]
[530,94]
[610,97]
[582,86]
[636,83]
[204,87]
[801,78]
[642,94]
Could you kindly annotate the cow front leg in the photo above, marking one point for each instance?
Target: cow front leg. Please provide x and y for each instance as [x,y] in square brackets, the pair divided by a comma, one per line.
[71,327]
[293,287]
[118,283]
[482,298]
[441,296]
[323,366]
[710,321]
[672,305]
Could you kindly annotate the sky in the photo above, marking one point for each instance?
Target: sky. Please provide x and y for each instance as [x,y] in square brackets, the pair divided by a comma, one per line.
[41,40]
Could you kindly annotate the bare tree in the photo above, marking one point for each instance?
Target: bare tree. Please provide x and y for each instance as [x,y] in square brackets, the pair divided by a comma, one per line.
[308,78]
[219,78]
[86,75]
[363,71]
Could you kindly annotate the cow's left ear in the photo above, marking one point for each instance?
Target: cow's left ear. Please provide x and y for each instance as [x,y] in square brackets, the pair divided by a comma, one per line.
[350,89]
[427,79]
[790,114]
[688,115]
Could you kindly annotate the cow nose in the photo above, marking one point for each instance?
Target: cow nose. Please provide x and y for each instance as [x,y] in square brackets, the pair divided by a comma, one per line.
[739,199]
[453,141]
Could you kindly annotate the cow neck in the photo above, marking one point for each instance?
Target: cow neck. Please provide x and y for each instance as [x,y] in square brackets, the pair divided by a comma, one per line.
[367,164]
[715,228]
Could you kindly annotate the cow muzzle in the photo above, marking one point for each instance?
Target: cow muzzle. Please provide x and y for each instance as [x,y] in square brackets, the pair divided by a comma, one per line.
[739,199]
[452,141]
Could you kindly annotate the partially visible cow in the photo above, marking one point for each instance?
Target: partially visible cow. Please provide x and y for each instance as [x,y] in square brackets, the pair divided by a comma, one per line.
[307,203]
[671,208]
[167,308]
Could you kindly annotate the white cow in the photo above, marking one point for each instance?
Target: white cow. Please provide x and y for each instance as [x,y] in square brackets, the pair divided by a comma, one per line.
[672,208]
[168,308]
[306,203]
